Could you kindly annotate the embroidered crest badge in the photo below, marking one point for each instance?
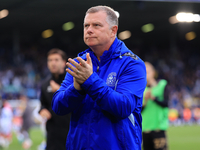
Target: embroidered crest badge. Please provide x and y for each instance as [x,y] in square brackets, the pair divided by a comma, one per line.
[111,79]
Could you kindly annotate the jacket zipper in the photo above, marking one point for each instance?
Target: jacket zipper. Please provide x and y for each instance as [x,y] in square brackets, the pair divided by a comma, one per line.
[98,66]
[88,134]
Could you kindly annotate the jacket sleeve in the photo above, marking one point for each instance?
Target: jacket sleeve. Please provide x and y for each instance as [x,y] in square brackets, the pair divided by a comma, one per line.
[128,94]
[67,98]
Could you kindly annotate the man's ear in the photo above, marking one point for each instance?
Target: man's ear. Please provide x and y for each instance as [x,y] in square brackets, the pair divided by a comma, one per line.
[114,30]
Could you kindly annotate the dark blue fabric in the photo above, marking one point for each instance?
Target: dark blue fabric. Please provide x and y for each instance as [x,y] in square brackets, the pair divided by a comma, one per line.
[101,112]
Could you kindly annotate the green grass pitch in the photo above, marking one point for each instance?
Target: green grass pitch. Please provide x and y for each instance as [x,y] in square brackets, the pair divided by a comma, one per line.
[184,138]
[179,138]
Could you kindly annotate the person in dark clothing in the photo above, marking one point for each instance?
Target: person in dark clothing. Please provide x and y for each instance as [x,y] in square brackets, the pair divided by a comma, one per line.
[27,121]
[155,112]
[56,126]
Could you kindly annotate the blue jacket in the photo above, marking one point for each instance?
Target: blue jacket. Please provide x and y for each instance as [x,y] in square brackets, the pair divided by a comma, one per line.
[106,114]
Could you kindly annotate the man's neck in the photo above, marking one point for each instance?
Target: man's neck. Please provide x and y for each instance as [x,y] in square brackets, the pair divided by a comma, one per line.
[56,75]
[99,50]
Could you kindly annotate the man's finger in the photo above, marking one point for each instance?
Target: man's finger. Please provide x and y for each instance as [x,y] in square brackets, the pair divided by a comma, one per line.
[83,62]
[74,63]
[71,67]
[89,60]
[72,73]
[52,82]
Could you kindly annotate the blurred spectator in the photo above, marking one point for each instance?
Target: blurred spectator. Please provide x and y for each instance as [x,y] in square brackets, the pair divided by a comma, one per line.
[57,127]
[155,112]
[42,122]
[27,122]
[6,117]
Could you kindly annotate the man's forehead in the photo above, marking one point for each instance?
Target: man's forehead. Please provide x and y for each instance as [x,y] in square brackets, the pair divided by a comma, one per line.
[100,15]
[55,55]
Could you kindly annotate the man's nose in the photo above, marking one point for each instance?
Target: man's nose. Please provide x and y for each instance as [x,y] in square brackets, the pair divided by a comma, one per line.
[54,62]
[89,30]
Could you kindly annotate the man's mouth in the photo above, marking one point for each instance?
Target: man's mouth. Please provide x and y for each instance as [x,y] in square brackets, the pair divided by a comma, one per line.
[90,37]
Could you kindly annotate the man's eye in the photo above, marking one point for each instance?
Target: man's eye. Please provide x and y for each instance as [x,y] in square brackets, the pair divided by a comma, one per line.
[96,24]
[86,25]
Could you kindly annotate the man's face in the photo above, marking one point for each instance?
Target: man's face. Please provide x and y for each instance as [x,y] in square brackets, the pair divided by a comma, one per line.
[55,63]
[97,31]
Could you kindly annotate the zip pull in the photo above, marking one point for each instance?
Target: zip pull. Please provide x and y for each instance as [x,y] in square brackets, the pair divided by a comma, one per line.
[97,68]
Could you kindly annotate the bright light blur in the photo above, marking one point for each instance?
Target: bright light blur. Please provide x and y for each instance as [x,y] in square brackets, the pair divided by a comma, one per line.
[196,18]
[4,13]
[68,26]
[187,17]
[173,20]
[47,33]
[147,28]
[190,36]
[124,35]
[184,17]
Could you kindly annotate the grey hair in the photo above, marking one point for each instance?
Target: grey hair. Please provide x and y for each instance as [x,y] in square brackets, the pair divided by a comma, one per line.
[111,19]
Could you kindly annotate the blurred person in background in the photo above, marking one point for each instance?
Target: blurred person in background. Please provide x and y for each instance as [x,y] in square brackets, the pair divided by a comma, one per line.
[6,118]
[56,126]
[42,123]
[27,120]
[155,111]
[103,89]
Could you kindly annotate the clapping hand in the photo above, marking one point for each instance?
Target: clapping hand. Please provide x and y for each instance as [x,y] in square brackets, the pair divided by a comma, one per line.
[80,71]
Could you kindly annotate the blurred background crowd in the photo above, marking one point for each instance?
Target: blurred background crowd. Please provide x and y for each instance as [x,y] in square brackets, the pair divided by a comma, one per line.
[23,73]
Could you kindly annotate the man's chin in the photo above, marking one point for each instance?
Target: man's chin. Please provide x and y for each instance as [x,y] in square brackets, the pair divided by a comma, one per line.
[54,72]
[91,44]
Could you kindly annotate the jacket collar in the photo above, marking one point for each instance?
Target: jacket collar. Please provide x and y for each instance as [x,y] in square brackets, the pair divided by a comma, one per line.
[108,54]
[117,49]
